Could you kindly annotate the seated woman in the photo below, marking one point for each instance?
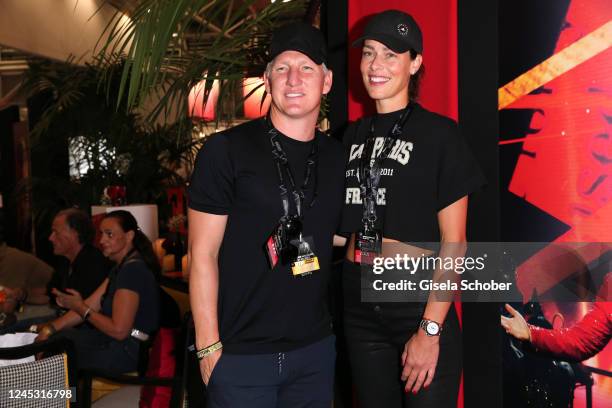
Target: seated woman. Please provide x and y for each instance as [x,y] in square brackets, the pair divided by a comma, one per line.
[123,311]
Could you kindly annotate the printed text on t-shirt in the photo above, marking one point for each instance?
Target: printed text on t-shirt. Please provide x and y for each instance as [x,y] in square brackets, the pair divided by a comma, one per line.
[400,151]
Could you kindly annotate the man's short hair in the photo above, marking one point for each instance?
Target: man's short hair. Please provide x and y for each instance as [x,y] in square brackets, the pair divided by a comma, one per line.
[271,63]
[79,221]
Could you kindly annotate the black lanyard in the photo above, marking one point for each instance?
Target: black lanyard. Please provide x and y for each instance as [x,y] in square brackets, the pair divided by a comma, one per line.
[369,168]
[282,162]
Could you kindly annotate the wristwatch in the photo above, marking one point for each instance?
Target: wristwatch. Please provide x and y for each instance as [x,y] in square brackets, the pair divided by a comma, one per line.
[430,327]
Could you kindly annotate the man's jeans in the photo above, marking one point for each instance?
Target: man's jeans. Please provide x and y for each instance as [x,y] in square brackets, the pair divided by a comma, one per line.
[295,379]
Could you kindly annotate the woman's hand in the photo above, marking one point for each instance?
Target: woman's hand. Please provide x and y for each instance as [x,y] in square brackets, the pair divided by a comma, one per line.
[71,299]
[516,325]
[208,364]
[420,358]
[44,332]
[42,336]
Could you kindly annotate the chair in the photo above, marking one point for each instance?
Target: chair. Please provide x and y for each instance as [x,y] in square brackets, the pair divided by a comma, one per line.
[169,319]
[53,372]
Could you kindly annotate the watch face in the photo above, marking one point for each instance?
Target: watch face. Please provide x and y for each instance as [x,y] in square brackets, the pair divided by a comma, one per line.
[432,328]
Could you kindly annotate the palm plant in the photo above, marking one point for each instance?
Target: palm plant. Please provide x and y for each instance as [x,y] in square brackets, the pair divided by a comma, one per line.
[171,45]
[109,146]
[159,53]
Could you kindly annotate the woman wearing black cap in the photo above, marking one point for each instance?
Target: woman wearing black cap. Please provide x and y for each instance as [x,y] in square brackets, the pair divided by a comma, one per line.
[412,186]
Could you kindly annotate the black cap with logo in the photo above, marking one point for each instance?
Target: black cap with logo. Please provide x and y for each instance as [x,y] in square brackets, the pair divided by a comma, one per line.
[394,28]
[300,37]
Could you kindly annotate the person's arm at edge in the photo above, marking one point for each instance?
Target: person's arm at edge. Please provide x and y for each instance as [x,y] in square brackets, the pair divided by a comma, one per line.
[206,233]
[578,342]
[452,221]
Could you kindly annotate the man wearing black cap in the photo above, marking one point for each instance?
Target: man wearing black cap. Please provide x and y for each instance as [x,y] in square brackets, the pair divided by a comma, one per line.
[265,200]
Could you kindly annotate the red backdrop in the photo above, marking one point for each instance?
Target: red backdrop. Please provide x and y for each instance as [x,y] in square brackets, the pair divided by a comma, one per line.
[565,166]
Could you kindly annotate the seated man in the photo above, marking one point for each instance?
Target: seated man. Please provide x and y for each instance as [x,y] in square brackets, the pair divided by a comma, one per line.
[72,234]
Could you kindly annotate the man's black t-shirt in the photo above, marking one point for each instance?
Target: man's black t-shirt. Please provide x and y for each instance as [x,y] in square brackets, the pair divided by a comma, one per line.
[263,310]
[429,167]
[85,274]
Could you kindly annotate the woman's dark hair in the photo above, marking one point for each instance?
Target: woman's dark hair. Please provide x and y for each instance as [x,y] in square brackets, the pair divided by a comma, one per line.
[141,243]
[79,221]
[415,80]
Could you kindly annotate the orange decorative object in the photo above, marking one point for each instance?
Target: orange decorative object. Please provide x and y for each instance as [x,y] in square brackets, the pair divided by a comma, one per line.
[197,107]
[253,107]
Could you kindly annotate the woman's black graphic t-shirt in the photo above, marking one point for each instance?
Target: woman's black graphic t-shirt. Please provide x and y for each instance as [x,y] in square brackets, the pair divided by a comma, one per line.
[429,167]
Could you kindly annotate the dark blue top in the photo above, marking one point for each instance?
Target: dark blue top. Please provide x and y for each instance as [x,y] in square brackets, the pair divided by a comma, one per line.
[135,275]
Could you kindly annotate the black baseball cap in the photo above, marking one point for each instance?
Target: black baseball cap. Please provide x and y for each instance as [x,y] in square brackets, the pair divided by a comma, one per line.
[394,28]
[300,37]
